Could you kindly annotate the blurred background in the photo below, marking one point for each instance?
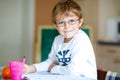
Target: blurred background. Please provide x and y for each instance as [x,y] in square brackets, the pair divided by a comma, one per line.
[20,19]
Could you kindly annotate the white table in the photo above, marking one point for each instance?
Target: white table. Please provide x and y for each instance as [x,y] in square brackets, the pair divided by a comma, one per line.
[49,76]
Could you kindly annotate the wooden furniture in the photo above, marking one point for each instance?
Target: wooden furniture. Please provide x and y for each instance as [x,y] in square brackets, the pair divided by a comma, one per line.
[101,74]
[108,56]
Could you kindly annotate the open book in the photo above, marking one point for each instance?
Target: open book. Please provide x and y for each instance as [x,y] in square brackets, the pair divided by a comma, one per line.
[50,76]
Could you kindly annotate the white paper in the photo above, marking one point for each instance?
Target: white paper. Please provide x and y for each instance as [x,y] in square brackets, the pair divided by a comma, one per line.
[49,76]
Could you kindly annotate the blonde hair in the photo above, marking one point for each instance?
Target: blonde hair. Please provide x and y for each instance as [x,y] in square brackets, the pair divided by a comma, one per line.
[64,7]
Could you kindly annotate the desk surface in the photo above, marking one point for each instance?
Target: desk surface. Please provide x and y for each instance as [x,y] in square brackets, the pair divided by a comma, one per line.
[48,76]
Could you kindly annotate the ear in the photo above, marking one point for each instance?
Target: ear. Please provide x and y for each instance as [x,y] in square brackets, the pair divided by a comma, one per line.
[81,22]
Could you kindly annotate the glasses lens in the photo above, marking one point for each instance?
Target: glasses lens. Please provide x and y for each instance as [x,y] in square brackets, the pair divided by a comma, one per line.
[72,21]
[61,23]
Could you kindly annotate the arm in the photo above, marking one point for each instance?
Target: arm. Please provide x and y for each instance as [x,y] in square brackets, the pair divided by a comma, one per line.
[29,69]
[52,65]
[43,66]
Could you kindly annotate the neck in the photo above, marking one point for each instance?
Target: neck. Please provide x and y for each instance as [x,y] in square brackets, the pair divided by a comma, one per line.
[67,40]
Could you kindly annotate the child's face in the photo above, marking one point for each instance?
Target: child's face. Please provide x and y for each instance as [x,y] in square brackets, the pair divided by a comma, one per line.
[68,25]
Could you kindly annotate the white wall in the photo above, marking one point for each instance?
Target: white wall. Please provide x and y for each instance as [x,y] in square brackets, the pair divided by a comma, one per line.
[16,30]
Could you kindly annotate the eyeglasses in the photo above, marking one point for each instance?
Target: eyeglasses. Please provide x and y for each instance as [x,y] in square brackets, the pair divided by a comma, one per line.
[70,22]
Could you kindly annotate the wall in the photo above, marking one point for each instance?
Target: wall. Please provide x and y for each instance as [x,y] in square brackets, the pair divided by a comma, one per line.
[43,13]
[43,10]
[90,16]
[16,30]
[107,9]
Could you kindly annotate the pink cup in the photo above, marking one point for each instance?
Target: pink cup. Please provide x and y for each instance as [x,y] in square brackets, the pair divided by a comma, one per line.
[16,69]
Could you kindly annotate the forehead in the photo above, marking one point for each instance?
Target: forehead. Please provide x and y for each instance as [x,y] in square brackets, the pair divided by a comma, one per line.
[60,16]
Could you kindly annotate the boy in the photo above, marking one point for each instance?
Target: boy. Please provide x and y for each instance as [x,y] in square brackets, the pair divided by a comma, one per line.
[71,52]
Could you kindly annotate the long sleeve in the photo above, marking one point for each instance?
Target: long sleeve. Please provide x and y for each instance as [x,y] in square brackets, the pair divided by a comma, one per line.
[43,66]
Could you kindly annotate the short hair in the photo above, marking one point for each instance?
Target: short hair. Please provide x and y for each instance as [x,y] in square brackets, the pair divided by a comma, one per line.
[64,7]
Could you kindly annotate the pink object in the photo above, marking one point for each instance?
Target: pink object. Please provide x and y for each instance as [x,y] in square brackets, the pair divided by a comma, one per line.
[16,69]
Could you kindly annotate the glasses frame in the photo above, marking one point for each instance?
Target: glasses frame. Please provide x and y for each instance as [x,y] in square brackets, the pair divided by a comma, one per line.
[70,22]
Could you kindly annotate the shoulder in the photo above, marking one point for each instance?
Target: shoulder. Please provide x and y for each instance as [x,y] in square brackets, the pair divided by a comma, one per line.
[82,39]
[81,34]
[58,38]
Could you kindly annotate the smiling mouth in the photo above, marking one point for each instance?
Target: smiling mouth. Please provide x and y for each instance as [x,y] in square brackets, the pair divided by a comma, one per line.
[68,31]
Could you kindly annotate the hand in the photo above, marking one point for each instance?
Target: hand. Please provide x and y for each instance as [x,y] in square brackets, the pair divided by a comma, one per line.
[28,69]
[52,65]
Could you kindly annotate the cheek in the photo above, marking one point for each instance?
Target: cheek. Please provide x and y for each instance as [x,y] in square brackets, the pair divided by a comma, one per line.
[59,28]
[77,26]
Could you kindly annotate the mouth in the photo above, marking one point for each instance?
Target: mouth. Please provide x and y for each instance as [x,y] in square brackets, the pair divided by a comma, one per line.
[67,31]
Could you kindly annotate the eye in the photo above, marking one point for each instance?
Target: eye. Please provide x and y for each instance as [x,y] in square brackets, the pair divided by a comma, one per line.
[71,21]
[61,23]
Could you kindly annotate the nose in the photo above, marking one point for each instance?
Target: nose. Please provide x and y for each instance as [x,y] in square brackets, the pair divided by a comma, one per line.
[66,26]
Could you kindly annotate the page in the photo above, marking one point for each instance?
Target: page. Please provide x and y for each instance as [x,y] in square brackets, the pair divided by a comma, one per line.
[50,76]
[34,76]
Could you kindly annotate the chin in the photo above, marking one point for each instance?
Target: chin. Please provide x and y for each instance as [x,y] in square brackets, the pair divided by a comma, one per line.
[68,37]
